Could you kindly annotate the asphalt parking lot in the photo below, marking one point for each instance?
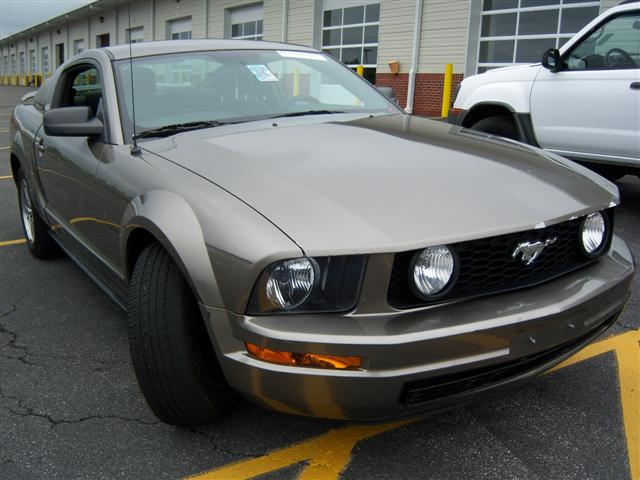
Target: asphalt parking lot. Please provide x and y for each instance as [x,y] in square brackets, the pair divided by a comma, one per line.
[70,406]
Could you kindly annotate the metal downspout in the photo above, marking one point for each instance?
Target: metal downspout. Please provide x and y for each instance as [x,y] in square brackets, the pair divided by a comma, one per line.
[417,31]
[285,20]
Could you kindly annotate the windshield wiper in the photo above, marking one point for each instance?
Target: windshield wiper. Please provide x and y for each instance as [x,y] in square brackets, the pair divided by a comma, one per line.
[306,112]
[168,130]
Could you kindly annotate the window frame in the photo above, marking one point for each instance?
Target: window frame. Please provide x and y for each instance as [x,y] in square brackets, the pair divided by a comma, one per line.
[182,34]
[62,84]
[558,36]
[362,45]
[588,33]
[135,29]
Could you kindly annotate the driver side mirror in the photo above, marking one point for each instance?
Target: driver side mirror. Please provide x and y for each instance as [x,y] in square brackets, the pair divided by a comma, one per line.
[72,122]
[551,60]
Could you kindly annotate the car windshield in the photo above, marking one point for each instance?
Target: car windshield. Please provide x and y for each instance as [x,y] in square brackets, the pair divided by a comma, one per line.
[239,85]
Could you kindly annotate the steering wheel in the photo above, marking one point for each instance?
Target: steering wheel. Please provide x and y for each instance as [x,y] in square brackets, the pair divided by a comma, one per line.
[616,57]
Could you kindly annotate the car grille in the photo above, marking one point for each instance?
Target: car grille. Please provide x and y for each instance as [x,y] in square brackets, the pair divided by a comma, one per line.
[486,266]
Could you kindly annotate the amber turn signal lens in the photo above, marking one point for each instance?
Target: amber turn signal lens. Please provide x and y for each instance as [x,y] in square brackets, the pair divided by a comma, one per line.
[303,359]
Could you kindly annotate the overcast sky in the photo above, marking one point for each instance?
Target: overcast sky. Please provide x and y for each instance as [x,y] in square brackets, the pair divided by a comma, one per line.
[18,14]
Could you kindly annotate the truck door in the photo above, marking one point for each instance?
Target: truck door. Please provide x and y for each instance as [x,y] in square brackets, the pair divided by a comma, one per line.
[590,109]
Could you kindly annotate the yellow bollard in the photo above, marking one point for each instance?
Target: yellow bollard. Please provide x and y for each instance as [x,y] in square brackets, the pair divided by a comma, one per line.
[360,70]
[296,82]
[446,91]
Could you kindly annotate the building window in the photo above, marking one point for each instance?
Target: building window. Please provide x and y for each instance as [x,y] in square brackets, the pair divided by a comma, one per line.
[135,35]
[519,31]
[32,61]
[14,69]
[179,29]
[45,59]
[78,46]
[23,64]
[6,65]
[246,23]
[350,33]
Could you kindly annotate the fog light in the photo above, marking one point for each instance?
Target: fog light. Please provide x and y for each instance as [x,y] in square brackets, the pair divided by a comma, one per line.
[303,359]
[432,270]
[593,233]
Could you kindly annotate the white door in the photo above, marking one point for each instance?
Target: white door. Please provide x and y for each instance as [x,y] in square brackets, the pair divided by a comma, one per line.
[590,109]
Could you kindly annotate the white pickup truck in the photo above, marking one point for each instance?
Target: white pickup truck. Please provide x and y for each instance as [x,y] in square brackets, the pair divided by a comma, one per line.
[582,101]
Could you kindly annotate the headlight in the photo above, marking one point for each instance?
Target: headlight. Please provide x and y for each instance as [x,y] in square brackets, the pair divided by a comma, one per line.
[594,233]
[432,270]
[290,283]
[306,285]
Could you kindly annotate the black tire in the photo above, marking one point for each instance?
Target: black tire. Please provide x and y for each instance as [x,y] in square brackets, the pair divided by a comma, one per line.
[36,231]
[172,355]
[497,125]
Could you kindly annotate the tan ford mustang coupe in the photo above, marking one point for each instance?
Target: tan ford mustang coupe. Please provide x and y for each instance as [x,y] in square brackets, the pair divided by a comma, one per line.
[275,227]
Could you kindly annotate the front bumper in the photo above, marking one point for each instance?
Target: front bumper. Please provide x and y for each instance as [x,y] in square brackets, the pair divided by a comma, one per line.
[425,359]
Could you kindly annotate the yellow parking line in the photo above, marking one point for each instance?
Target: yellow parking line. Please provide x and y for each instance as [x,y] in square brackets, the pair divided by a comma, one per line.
[5,148]
[328,455]
[19,241]
[4,177]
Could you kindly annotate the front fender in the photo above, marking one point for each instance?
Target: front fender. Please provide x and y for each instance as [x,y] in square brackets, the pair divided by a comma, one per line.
[511,89]
[172,221]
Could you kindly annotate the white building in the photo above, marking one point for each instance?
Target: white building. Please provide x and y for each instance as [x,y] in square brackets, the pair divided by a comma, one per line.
[473,35]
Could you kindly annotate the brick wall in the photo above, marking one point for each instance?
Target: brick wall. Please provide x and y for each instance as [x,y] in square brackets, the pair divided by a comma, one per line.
[428,95]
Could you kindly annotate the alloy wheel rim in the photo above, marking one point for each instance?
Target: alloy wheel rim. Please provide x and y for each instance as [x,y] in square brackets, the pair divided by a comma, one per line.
[26,209]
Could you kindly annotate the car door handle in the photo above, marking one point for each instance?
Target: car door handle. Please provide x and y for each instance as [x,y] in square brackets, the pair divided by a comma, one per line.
[635,86]
[40,146]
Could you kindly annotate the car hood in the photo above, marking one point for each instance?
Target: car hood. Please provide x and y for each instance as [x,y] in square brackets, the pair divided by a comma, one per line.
[388,183]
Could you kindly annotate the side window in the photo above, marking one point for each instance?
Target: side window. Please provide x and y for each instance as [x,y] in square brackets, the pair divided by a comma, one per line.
[615,45]
[83,88]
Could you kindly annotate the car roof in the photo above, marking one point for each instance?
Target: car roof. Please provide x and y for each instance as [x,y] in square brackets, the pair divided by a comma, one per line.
[144,49]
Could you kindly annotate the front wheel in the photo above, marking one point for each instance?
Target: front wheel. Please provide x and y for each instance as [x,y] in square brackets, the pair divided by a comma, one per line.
[36,231]
[171,351]
[497,125]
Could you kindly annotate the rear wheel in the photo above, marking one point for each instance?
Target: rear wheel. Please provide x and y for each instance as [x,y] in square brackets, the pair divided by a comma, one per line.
[171,351]
[500,125]
[36,231]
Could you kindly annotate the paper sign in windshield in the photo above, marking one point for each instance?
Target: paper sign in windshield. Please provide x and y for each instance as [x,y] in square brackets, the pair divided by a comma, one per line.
[302,55]
[262,73]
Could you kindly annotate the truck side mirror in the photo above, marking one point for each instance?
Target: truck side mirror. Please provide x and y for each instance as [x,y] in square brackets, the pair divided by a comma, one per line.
[551,60]
[72,122]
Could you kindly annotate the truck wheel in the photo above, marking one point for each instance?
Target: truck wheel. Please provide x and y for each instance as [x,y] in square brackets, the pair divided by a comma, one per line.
[171,351]
[497,125]
[36,231]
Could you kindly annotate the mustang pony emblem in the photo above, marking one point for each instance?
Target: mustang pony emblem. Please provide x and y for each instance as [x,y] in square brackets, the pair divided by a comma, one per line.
[531,251]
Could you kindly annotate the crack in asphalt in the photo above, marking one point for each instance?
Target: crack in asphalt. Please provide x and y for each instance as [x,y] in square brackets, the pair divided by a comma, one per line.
[13,336]
[53,422]
[218,448]
[26,354]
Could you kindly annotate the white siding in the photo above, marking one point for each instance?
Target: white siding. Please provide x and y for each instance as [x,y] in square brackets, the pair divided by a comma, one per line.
[396,34]
[108,25]
[140,17]
[607,4]
[272,25]
[44,41]
[77,31]
[301,22]
[59,38]
[217,10]
[167,10]
[445,31]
